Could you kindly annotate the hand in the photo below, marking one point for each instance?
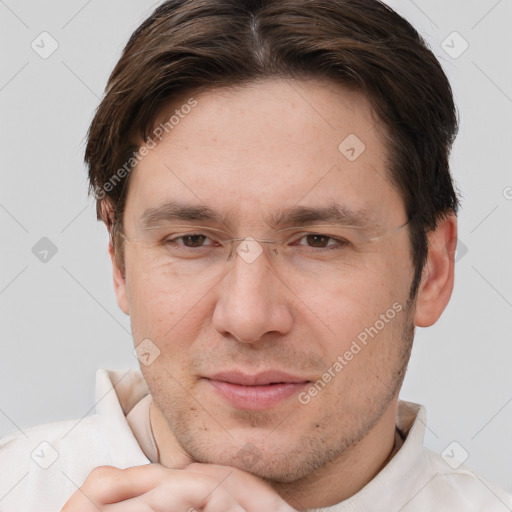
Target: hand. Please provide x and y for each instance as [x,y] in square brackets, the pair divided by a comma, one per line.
[152,488]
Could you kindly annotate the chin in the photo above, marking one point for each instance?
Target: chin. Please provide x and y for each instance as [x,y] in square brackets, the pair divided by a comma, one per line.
[284,467]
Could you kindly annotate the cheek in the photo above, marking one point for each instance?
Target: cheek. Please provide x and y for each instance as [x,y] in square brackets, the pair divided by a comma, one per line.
[158,313]
[348,304]
[360,319]
[156,299]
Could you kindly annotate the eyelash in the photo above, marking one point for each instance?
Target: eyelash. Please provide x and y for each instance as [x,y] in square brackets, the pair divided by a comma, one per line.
[339,242]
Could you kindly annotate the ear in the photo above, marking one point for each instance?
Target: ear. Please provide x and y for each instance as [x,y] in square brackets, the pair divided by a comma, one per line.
[119,281]
[437,280]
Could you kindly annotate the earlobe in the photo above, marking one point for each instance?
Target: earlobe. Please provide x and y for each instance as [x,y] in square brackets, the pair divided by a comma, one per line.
[119,281]
[438,275]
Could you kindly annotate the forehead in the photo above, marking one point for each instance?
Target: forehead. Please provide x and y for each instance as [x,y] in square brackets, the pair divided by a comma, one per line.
[252,151]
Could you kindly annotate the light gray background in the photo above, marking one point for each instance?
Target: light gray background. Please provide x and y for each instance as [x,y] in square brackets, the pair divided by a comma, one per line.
[59,319]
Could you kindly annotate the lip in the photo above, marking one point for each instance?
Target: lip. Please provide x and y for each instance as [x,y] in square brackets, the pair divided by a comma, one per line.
[259,379]
[256,392]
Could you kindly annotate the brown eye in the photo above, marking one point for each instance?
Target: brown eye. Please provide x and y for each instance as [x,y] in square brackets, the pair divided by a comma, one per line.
[193,240]
[318,240]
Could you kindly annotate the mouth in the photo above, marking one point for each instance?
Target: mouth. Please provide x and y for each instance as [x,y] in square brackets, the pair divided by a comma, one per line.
[256,392]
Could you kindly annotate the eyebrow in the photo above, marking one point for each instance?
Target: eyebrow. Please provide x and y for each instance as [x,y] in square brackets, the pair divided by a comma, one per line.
[176,210]
[333,214]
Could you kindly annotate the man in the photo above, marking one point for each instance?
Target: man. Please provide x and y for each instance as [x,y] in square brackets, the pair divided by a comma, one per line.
[274,176]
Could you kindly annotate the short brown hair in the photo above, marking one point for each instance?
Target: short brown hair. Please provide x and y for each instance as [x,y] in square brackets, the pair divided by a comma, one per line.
[187,46]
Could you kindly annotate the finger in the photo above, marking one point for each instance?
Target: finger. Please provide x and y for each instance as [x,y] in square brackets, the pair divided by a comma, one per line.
[148,488]
[248,489]
[193,491]
[188,493]
[108,484]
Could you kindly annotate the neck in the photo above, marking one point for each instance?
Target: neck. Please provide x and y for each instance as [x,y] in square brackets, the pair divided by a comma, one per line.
[350,472]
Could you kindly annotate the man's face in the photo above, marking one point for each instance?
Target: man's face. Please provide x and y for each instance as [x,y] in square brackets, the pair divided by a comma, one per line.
[251,154]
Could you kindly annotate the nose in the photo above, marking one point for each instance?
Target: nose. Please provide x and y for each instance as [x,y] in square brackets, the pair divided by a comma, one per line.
[252,301]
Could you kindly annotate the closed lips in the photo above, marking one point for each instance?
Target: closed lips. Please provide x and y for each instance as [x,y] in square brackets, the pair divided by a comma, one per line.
[261,379]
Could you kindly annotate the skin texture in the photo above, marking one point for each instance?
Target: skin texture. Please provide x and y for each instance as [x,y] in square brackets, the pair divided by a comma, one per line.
[206,487]
[247,153]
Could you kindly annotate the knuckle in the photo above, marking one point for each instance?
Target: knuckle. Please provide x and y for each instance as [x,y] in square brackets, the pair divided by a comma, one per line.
[103,471]
[219,499]
[99,483]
